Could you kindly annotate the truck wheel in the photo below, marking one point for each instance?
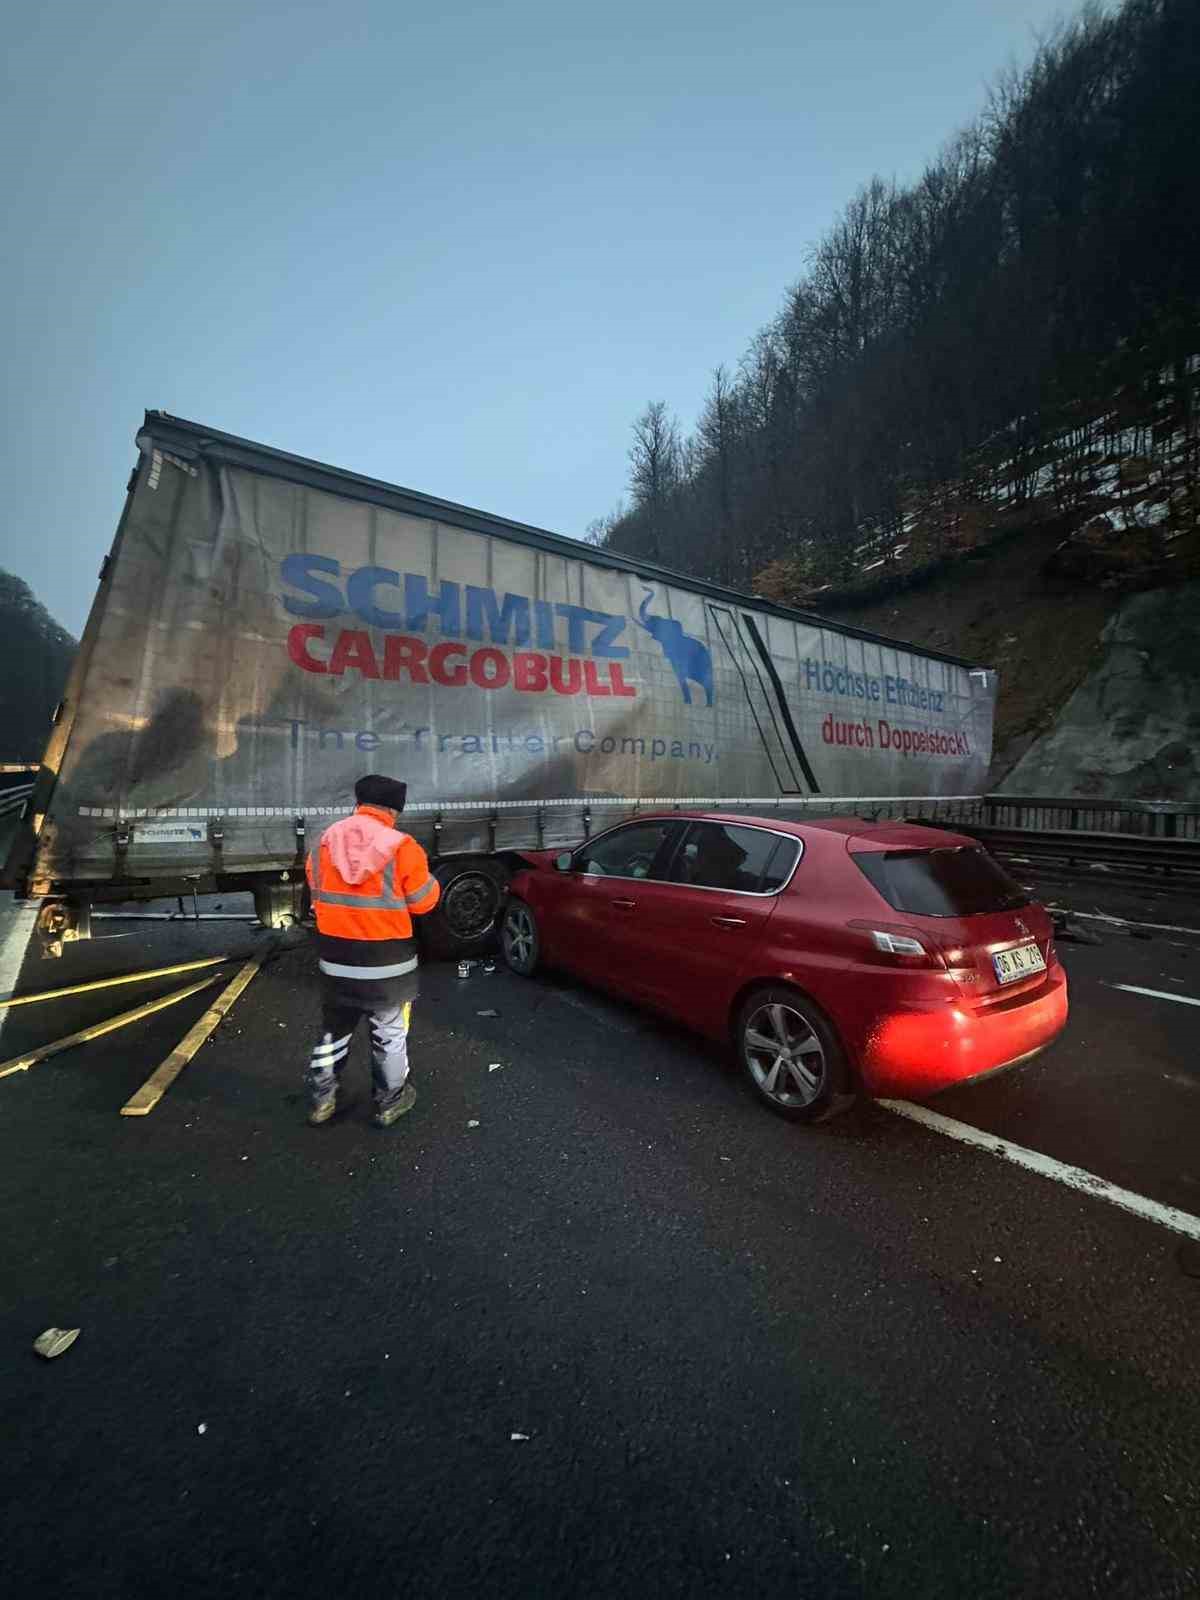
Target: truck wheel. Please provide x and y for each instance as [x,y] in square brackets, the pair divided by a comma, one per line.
[464,920]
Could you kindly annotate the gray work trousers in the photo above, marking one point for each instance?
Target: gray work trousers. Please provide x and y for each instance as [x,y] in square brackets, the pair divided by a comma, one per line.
[389,1050]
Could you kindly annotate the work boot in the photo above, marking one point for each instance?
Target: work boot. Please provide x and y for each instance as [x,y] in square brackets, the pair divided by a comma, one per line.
[322,1112]
[407,1100]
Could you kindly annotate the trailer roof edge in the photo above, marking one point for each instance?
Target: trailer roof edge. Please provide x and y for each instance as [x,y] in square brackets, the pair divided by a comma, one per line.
[168,429]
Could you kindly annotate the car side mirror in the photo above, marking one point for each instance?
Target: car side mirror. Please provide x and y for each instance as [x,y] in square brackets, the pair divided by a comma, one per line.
[563,862]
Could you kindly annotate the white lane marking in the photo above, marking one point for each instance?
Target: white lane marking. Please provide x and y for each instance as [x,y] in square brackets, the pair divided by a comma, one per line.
[1073,1177]
[1155,994]
[1123,922]
[16,928]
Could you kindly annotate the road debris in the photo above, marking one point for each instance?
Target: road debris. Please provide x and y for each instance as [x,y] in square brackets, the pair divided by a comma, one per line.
[487,1013]
[474,1123]
[524,1437]
[202,1428]
[55,1341]
[164,1075]
[494,1066]
[110,983]
[1069,932]
[98,1029]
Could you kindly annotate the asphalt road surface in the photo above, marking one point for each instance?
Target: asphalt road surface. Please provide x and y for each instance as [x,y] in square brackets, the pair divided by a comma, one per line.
[592,1323]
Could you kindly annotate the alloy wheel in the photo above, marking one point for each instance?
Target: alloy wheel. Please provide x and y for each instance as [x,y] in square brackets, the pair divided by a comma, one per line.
[519,939]
[784,1054]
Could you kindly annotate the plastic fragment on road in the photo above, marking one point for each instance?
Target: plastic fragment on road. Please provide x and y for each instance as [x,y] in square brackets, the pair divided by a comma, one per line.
[473,1123]
[1071,933]
[55,1341]
[494,1066]
[202,1428]
[488,1013]
[524,1437]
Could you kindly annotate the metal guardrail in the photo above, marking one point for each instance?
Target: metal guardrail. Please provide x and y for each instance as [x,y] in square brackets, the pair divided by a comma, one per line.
[16,786]
[1150,819]
[1092,849]
[1137,819]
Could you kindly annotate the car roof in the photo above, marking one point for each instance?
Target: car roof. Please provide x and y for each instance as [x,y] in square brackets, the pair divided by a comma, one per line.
[866,835]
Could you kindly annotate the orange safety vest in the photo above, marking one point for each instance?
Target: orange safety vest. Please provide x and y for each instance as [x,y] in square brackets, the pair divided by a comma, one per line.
[387,882]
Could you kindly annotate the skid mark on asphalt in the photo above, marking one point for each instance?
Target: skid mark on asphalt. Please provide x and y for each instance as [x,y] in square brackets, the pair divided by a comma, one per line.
[1046,1167]
[1155,994]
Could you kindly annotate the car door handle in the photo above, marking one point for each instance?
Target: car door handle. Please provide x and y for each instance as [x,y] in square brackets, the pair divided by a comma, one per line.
[624,905]
[728,922]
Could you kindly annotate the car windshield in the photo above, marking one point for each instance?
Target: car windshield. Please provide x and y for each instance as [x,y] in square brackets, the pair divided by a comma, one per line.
[959,882]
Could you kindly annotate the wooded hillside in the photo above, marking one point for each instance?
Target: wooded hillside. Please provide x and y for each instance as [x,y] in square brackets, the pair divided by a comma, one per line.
[1030,300]
[35,658]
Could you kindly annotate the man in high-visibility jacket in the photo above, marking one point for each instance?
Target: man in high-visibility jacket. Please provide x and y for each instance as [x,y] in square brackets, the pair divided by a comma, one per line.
[368,881]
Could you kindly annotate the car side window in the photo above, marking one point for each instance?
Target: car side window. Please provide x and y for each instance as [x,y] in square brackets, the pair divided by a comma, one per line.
[717,855]
[627,852]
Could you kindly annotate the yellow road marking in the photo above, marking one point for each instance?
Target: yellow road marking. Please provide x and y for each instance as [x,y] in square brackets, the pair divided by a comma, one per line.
[43,1052]
[109,983]
[164,1075]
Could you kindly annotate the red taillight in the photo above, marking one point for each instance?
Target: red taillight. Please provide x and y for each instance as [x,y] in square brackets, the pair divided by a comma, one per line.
[898,946]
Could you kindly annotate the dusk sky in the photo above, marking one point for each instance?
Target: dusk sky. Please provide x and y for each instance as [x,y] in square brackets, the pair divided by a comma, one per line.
[458,250]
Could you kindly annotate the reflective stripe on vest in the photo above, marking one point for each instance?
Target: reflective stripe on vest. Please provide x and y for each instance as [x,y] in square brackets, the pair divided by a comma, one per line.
[392,899]
[335,969]
[422,894]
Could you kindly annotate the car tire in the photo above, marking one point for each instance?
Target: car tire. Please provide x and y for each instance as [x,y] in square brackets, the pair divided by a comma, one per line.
[463,923]
[520,938]
[790,1055]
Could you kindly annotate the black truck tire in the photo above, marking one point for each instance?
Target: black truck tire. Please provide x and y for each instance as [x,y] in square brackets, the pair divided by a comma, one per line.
[463,923]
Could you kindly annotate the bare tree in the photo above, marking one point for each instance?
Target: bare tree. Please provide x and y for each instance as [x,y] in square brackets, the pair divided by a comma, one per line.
[654,470]
[718,439]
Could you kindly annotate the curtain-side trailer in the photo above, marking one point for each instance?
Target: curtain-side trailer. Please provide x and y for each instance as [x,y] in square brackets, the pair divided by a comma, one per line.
[267,629]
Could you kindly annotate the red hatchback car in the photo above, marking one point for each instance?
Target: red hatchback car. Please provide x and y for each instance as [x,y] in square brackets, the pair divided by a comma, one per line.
[839,955]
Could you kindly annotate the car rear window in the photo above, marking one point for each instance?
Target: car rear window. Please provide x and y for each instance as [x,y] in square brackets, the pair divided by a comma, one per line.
[962,881]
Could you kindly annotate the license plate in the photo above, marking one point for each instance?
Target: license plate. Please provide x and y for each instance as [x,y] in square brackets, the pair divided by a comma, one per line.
[1022,962]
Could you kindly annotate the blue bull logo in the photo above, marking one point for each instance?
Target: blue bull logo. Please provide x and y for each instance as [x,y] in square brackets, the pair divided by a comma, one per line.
[690,659]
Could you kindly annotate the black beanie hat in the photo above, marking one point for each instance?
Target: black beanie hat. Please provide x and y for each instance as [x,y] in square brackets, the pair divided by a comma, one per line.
[376,790]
